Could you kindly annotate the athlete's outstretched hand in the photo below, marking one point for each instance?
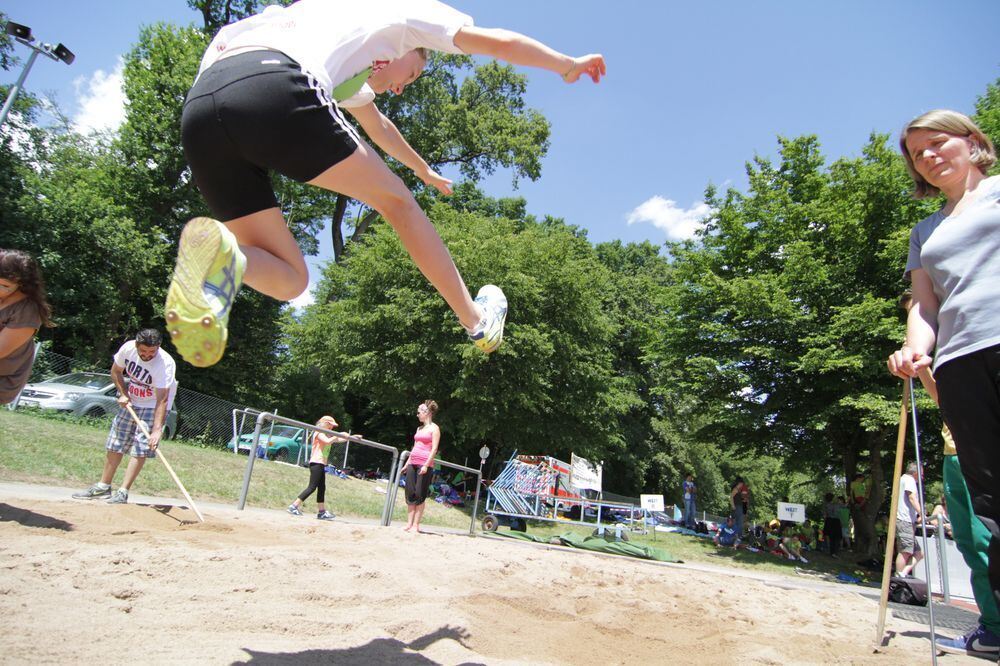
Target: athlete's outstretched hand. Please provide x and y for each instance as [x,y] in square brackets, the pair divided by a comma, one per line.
[591,65]
[437,181]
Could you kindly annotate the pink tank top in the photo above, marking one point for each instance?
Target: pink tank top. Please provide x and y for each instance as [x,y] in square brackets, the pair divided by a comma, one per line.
[421,452]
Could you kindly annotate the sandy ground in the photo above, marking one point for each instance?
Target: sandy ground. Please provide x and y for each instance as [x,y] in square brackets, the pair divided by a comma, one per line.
[87,582]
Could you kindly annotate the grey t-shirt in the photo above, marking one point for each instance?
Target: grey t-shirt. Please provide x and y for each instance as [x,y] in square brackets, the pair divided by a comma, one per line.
[15,368]
[961,254]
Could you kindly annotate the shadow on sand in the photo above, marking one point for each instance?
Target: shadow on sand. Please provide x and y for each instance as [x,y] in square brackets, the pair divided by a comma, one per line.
[378,651]
[28,518]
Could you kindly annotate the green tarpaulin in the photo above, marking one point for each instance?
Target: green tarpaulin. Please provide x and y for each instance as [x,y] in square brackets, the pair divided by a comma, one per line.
[600,545]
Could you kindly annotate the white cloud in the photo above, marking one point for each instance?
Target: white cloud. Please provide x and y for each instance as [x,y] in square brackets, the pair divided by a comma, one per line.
[678,223]
[306,298]
[101,100]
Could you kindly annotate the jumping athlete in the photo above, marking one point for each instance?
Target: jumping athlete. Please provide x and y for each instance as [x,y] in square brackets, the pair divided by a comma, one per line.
[268,97]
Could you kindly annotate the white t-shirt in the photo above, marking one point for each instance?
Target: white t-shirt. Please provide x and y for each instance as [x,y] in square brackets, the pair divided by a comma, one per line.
[335,41]
[145,377]
[905,512]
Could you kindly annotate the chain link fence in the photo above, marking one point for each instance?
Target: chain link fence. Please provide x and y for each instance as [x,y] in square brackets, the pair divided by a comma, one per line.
[86,390]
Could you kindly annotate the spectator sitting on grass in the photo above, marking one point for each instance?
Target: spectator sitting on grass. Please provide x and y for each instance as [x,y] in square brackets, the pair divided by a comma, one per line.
[773,540]
[807,535]
[727,536]
[790,540]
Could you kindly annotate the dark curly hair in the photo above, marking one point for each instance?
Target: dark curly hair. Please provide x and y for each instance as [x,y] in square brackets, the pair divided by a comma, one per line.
[19,267]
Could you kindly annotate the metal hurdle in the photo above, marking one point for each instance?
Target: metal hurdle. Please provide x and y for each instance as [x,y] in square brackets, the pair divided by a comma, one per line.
[309,428]
[244,413]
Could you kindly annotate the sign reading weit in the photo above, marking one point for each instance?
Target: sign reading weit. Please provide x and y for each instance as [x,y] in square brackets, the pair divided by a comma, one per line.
[651,502]
[793,512]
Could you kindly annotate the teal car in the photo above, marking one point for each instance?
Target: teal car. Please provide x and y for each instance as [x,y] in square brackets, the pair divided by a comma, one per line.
[283,443]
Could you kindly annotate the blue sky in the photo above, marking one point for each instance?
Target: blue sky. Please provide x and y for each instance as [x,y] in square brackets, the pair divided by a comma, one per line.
[694,89]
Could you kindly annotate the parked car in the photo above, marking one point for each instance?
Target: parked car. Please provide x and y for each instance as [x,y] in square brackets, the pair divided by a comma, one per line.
[82,394]
[283,443]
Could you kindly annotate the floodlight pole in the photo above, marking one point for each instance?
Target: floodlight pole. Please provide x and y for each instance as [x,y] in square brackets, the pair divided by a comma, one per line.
[12,95]
[57,52]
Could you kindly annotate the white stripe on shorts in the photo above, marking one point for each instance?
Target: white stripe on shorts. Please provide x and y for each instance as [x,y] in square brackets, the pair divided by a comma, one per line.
[332,107]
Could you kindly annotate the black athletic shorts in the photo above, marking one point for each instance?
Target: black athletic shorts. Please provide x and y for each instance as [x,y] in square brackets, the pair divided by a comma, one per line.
[256,112]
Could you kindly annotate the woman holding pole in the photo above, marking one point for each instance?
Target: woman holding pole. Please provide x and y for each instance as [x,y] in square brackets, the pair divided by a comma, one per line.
[952,327]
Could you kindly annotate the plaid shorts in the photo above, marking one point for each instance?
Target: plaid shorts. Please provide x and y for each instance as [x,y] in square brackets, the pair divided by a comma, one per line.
[126,436]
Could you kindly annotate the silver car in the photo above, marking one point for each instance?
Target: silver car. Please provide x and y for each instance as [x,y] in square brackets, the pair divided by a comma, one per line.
[83,394]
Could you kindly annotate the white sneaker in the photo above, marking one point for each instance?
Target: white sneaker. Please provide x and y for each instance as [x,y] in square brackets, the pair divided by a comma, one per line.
[488,334]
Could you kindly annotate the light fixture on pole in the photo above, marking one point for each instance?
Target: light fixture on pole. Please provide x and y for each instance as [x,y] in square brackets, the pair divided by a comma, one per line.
[22,33]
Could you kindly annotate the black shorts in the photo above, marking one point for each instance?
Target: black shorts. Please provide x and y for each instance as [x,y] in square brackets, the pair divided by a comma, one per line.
[256,112]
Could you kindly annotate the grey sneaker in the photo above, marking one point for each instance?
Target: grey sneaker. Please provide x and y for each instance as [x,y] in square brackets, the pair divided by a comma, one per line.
[489,333]
[294,510]
[325,515]
[93,492]
[120,497]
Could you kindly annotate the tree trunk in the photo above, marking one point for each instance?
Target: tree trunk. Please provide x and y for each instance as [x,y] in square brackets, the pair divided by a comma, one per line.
[100,350]
[336,232]
[864,518]
[363,225]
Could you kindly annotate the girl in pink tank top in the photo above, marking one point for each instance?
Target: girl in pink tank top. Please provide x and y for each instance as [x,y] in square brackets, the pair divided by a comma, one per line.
[418,468]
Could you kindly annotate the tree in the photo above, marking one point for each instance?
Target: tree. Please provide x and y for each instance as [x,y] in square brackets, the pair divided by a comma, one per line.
[472,118]
[648,451]
[783,314]
[7,58]
[388,337]
[217,13]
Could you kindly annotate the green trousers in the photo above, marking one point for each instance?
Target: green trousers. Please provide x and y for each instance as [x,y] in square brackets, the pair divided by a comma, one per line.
[973,541]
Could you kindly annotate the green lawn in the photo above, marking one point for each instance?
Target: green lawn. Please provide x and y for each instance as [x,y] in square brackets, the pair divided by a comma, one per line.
[37,449]
[700,550]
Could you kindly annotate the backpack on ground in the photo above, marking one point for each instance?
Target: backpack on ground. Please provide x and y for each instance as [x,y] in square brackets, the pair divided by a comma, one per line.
[909,591]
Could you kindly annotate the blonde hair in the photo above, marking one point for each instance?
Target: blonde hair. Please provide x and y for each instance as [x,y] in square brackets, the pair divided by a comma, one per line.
[431,406]
[324,419]
[982,156]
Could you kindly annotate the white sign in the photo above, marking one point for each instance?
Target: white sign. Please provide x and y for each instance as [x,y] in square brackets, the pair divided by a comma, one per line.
[793,512]
[584,474]
[651,502]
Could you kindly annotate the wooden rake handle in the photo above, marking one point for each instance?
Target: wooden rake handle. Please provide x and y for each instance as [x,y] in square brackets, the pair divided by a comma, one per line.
[159,454]
[897,471]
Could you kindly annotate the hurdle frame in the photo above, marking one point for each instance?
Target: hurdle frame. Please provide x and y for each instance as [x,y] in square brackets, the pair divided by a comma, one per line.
[393,488]
[309,428]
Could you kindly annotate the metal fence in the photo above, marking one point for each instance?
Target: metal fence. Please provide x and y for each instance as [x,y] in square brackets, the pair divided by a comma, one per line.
[260,422]
[200,417]
[394,481]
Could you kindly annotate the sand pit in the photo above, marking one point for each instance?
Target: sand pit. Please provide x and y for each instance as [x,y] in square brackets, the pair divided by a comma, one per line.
[87,582]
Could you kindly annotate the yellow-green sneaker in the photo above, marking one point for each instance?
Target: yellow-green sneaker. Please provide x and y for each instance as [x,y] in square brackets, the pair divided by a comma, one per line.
[489,333]
[208,274]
